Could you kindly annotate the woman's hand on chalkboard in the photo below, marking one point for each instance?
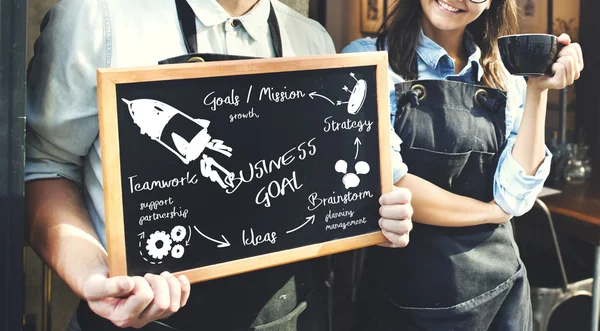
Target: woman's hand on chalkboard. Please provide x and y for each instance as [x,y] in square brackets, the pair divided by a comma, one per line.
[396,213]
[135,301]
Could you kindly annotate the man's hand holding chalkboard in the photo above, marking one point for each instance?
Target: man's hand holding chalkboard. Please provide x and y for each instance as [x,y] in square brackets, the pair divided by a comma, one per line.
[135,301]
[396,212]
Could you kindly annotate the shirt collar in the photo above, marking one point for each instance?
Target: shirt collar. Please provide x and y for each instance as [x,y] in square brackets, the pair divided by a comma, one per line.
[431,53]
[255,22]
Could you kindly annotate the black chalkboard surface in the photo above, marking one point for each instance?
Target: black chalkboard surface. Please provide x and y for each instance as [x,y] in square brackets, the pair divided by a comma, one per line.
[215,169]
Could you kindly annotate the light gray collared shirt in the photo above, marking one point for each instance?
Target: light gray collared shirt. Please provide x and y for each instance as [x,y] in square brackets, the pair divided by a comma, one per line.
[79,36]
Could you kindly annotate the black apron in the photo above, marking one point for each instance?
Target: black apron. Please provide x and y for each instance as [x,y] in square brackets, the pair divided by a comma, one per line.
[460,279]
[292,297]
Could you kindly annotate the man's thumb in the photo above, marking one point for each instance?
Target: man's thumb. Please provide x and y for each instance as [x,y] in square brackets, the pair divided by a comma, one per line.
[109,288]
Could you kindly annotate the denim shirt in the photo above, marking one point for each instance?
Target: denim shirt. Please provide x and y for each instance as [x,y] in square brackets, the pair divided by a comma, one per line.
[514,191]
[79,36]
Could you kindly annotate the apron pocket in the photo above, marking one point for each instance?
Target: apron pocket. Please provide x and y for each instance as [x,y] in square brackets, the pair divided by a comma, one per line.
[443,267]
[288,322]
[311,314]
[471,315]
[453,171]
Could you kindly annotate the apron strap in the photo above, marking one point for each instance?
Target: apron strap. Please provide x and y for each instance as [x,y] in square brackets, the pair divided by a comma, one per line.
[275,32]
[187,22]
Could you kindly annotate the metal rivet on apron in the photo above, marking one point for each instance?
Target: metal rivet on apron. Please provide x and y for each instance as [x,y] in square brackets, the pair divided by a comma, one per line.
[235,23]
[195,59]
[420,90]
[480,93]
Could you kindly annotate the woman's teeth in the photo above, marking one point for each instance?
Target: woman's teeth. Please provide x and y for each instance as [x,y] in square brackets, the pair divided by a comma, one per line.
[447,6]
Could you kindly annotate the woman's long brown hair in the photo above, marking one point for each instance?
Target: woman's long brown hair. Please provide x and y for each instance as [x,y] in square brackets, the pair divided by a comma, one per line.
[402,27]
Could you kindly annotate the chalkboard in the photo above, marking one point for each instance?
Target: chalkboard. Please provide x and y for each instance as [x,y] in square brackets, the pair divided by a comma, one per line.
[220,168]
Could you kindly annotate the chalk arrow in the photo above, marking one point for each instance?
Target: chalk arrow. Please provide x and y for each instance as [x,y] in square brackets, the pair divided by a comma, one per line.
[141,235]
[312,95]
[222,244]
[187,242]
[357,143]
[310,219]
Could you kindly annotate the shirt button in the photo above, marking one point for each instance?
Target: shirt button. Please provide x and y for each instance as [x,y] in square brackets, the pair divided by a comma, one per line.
[235,23]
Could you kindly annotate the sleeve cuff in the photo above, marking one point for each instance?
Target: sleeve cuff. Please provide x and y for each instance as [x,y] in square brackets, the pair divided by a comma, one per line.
[515,191]
[49,169]
[399,168]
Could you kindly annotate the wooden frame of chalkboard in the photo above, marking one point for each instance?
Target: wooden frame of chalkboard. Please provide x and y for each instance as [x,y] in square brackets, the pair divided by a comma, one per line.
[258,107]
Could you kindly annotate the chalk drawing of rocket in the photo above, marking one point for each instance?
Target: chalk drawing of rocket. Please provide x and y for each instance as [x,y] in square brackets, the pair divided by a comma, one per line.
[182,135]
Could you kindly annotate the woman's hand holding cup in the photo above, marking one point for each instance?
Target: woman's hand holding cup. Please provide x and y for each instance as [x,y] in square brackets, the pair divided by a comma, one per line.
[550,62]
[567,68]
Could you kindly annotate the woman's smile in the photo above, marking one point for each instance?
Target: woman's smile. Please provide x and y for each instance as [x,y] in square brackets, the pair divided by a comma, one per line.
[450,15]
[447,7]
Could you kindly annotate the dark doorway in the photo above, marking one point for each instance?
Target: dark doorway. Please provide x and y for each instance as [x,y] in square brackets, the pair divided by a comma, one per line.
[588,98]
[13,15]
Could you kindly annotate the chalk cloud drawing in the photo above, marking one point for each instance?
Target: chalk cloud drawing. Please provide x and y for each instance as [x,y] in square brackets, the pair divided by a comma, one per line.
[351,179]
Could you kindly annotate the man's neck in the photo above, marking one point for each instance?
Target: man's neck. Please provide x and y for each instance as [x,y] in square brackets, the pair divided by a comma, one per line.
[237,8]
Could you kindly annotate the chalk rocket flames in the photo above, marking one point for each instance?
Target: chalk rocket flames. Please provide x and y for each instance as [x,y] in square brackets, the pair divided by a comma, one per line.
[152,117]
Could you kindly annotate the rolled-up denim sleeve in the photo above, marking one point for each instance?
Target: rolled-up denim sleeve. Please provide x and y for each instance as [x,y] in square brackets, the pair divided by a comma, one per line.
[62,121]
[515,191]
[399,168]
